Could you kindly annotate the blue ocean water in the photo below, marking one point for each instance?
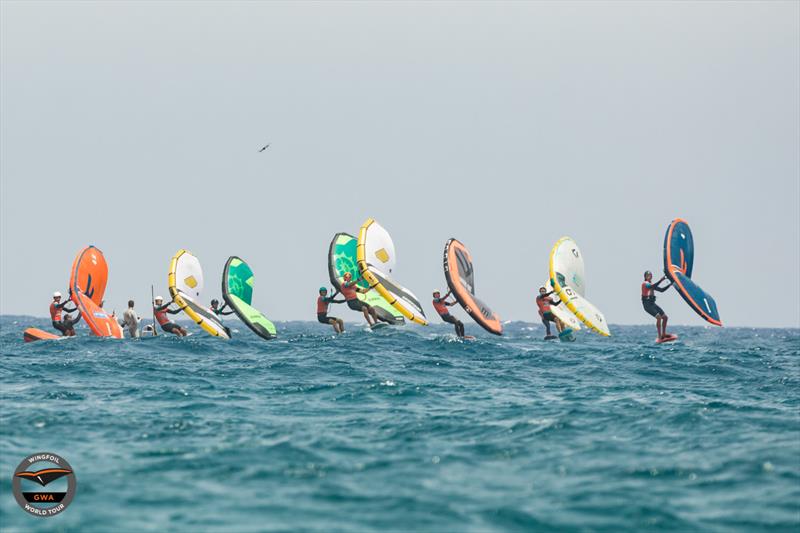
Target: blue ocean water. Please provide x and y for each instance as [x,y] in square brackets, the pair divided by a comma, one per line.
[409,428]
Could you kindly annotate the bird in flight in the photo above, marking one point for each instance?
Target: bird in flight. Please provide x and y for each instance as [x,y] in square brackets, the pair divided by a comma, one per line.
[265,147]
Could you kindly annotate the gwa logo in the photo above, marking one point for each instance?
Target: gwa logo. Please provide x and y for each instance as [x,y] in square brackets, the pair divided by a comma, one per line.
[43,469]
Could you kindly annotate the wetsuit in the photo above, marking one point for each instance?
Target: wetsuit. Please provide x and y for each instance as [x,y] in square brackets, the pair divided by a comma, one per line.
[322,309]
[55,315]
[162,318]
[441,305]
[544,302]
[218,310]
[649,297]
[350,294]
[131,321]
[69,323]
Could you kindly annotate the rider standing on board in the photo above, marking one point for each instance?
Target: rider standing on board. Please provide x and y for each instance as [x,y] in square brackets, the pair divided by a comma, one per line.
[323,301]
[350,290]
[649,302]
[441,305]
[160,311]
[544,303]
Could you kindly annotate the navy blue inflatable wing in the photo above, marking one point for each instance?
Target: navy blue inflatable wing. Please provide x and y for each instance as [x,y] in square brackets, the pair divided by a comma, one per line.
[678,263]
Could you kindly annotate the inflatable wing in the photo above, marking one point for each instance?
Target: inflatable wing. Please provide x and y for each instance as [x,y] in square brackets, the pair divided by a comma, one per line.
[342,259]
[185,280]
[678,263]
[567,279]
[87,282]
[376,261]
[460,276]
[237,291]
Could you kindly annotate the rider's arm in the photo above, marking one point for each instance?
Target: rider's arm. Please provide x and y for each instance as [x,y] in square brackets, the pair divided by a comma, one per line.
[660,289]
[553,302]
[63,306]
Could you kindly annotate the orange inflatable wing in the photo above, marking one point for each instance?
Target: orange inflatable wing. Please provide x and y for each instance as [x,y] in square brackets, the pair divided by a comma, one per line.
[101,323]
[460,276]
[89,274]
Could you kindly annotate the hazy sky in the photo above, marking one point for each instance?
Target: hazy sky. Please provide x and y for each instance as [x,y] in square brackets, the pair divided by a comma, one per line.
[135,127]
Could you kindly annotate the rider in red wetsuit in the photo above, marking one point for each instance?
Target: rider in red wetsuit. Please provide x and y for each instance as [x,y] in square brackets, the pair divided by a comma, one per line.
[167,325]
[350,290]
[56,310]
[441,305]
[544,302]
[649,302]
[323,301]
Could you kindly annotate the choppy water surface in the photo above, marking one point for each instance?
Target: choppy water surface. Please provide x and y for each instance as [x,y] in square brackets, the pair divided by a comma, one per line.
[409,428]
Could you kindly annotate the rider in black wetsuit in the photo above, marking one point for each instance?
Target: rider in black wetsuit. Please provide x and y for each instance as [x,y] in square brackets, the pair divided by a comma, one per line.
[441,305]
[350,290]
[56,310]
[544,303]
[219,310]
[649,302]
[323,301]
[69,324]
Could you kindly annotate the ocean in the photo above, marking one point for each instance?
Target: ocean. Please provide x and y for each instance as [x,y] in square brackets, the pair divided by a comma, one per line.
[409,429]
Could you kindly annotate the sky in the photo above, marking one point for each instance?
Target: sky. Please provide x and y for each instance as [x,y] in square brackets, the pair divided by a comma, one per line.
[135,126]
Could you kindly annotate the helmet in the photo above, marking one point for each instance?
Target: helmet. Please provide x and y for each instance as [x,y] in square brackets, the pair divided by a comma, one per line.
[647,272]
[323,289]
[158,299]
[214,302]
[56,294]
[348,275]
[436,292]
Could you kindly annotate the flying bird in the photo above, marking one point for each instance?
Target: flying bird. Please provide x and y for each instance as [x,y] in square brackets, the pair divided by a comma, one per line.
[265,147]
[43,477]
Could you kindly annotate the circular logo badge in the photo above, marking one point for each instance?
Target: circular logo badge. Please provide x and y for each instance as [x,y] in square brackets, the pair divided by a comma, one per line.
[37,472]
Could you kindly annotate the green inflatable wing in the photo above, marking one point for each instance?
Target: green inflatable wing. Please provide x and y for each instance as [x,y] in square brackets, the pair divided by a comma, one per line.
[237,291]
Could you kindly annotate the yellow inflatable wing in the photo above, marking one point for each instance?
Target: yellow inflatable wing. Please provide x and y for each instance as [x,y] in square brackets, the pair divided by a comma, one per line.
[185,286]
[376,260]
